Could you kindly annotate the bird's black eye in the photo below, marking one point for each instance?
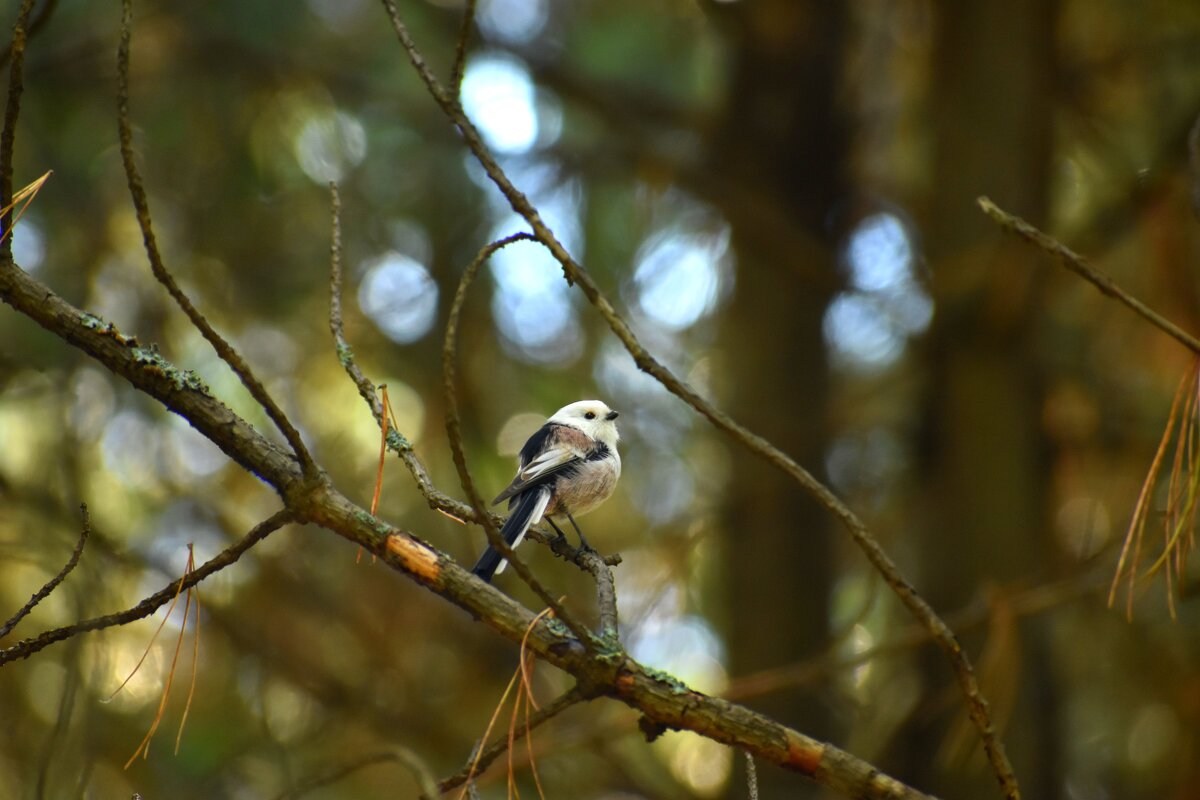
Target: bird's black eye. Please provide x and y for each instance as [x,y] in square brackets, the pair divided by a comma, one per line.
[590,415]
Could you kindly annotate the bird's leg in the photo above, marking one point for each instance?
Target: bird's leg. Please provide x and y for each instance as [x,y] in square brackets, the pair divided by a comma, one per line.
[582,541]
[561,535]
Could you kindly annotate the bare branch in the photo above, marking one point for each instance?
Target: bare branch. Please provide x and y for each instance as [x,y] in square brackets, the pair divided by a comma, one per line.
[12,110]
[52,584]
[574,273]
[606,591]
[148,606]
[141,204]
[47,10]
[1077,264]
[460,49]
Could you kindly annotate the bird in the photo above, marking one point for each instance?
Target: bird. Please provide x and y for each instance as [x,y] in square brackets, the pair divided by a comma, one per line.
[566,468]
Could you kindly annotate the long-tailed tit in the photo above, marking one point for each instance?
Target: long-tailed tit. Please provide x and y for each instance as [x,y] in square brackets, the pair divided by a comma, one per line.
[567,468]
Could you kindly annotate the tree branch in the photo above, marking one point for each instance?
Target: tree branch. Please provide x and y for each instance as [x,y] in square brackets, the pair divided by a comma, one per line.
[1077,264]
[141,204]
[12,110]
[460,48]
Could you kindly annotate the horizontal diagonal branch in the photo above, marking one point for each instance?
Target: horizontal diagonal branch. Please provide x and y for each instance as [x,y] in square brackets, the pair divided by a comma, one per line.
[1080,266]
[149,605]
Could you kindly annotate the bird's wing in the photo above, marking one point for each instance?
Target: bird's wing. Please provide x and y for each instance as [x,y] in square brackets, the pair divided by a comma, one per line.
[555,448]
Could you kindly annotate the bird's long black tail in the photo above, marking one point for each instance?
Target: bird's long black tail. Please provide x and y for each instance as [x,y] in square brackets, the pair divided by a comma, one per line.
[528,507]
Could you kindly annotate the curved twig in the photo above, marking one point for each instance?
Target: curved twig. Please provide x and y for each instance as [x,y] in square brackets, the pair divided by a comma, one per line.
[574,273]
[39,22]
[141,204]
[454,437]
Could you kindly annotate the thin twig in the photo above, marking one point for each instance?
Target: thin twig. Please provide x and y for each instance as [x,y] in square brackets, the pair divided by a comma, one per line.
[12,110]
[606,592]
[460,48]
[574,273]
[480,762]
[399,755]
[141,204]
[1079,265]
[39,22]
[396,441]
[454,435]
[149,605]
[52,584]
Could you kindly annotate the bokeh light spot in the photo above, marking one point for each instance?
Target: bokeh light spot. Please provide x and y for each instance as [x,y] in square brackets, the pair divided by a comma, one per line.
[859,334]
[497,94]
[677,277]
[532,304]
[868,326]
[399,296]
[879,254]
[29,244]
[516,431]
[328,144]
[512,21]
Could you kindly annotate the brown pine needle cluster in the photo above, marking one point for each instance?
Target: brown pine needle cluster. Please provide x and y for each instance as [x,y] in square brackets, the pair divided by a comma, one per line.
[1183,486]
[22,197]
[388,418]
[523,701]
[143,748]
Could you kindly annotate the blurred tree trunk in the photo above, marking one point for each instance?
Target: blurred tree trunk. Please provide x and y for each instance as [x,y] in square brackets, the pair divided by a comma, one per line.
[984,459]
[781,149]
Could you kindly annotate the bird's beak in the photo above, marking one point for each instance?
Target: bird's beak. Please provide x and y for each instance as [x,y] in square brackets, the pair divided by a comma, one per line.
[610,416]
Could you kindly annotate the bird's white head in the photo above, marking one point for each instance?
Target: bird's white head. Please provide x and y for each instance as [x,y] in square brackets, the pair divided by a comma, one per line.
[592,417]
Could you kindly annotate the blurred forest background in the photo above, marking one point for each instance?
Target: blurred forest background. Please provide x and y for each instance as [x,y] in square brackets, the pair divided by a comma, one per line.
[780,194]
